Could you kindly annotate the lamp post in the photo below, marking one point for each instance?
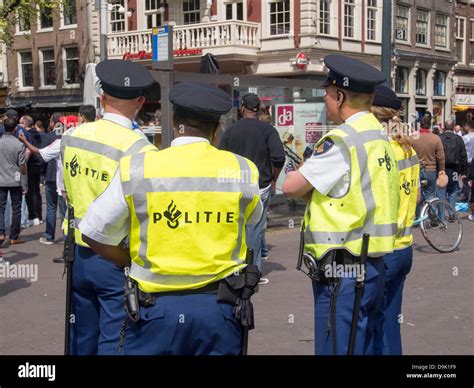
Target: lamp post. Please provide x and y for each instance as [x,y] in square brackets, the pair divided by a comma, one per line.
[387,42]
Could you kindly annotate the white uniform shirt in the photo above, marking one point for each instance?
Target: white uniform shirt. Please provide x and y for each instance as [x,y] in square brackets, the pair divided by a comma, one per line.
[53,152]
[329,172]
[108,219]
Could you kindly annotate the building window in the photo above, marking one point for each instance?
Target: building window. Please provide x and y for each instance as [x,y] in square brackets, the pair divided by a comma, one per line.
[325,17]
[421,82]
[23,24]
[26,65]
[69,12]
[371,19]
[472,41]
[191,11]
[439,83]
[349,10]
[402,23]
[71,69]
[234,11]
[441,31]
[460,39]
[48,69]
[152,17]
[280,17]
[45,18]
[422,20]
[117,18]
[401,80]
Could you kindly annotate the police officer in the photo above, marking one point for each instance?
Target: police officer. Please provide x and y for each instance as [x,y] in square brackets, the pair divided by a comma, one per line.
[386,107]
[351,184]
[185,209]
[90,159]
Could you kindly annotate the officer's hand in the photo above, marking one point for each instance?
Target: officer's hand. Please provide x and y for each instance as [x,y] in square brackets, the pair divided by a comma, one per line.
[65,196]
[22,137]
[24,191]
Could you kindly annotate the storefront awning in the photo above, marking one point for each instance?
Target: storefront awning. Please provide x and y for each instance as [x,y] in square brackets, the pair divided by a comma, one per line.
[38,102]
[55,104]
[462,108]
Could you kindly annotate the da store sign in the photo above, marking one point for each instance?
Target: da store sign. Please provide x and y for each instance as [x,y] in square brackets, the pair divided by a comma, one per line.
[300,126]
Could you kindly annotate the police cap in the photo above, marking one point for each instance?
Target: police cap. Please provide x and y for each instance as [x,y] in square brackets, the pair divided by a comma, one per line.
[351,74]
[386,97]
[123,79]
[199,101]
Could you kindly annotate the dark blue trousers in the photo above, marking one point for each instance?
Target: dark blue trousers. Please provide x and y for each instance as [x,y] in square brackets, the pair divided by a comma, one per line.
[332,331]
[97,304]
[194,324]
[388,340]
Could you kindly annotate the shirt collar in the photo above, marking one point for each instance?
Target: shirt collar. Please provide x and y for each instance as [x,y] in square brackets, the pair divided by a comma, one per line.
[118,119]
[183,140]
[356,116]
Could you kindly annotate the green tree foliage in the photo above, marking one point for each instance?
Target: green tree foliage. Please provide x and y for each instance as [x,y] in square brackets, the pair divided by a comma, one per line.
[14,11]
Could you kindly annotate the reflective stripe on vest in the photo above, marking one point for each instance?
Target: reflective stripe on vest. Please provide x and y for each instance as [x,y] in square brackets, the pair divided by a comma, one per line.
[100,148]
[408,162]
[357,140]
[137,188]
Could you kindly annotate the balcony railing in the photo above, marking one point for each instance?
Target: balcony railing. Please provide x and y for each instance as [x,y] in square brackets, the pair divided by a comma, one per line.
[193,36]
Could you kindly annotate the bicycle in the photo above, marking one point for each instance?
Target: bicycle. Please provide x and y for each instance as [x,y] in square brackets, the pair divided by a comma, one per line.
[440,223]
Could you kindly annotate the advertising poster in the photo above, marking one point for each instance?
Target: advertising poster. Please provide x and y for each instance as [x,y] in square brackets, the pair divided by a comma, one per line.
[300,127]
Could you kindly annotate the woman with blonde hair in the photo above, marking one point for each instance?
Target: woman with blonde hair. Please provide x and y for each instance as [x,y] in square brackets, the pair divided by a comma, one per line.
[386,108]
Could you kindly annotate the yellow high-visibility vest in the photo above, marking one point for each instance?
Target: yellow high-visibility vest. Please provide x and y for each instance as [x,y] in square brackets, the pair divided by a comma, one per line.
[189,205]
[409,168]
[371,203]
[91,154]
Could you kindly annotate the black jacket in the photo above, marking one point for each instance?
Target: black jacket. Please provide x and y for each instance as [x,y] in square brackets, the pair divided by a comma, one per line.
[462,166]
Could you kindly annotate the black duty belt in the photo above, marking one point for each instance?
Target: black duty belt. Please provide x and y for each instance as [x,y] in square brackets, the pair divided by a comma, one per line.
[148,298]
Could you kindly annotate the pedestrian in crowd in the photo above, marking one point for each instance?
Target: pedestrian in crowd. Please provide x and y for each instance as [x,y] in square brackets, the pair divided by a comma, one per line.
[430,151]
[50,154]
[469,142]
[39,126]
[13,114]
[34,164]
[55,123]
[266,117]
[12,168]
[259,142]
[193,202]
[458,130]
[388,340]
[87,114]
[339,214]
[456,167]
[90,155]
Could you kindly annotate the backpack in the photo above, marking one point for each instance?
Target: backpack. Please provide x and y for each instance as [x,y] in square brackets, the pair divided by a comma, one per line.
[452,154]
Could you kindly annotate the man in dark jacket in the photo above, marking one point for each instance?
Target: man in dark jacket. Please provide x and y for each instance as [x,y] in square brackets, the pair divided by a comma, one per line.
[456,165]
[259,142]
[33,196]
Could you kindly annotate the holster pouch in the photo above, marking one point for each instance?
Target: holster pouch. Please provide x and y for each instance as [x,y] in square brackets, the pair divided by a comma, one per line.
[237,290]
[339,256]
[132,307]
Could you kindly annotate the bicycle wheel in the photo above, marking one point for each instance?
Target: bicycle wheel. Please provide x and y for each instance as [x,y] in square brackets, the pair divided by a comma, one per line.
[441,225]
